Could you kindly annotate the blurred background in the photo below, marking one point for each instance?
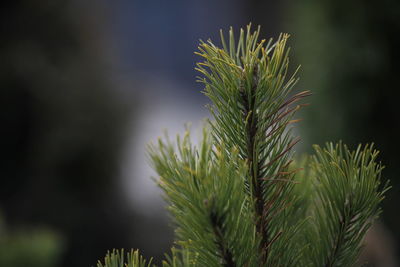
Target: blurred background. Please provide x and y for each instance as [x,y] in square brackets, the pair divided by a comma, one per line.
[85,85]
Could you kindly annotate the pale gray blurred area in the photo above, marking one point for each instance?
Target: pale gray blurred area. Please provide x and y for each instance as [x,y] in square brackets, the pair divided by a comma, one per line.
[169,114]
[156,41]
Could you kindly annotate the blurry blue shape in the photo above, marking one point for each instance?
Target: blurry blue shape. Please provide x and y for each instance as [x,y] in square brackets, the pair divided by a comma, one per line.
[159,37]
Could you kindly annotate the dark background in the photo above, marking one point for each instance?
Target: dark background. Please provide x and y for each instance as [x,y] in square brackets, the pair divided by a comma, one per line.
[86,84]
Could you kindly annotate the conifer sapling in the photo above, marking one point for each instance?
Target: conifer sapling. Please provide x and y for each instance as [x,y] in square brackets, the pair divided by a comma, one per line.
[239,198]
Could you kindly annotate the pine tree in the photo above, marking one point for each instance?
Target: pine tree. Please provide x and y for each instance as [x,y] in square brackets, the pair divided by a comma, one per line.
[239,198]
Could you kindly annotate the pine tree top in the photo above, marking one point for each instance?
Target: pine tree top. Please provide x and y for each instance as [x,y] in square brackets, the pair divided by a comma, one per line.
[239,198]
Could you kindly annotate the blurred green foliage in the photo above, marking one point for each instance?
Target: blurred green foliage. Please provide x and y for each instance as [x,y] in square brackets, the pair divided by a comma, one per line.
[347,51]
[63,128]
[29,247]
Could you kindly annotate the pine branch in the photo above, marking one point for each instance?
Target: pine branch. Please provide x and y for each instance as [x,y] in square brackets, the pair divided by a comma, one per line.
[208,201]
[116,258]
[349,195]
[252,110]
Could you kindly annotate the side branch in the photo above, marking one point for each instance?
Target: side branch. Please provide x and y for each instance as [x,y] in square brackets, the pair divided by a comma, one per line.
[218,230]
[338,243]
